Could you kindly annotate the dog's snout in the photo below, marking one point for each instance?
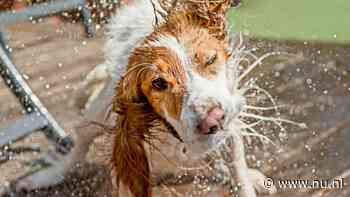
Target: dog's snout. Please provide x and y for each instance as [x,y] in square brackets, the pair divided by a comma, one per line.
[212,122]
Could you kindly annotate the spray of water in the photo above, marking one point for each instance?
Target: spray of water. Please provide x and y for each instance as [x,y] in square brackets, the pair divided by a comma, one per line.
[241,84]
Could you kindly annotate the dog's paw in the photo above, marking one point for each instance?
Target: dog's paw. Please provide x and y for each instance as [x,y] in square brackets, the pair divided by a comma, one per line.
[100,72]
[259,180]
[92,85]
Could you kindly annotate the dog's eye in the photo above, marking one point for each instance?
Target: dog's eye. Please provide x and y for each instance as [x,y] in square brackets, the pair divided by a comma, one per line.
[160,84]
[211,60]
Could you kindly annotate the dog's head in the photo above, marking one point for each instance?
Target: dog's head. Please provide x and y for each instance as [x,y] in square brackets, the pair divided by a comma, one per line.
[179,70]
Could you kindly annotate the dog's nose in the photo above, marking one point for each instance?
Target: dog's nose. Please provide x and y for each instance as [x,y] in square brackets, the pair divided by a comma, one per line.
[212,122]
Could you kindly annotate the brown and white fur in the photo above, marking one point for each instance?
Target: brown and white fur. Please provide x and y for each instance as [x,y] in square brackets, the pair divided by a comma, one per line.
[167,75]
[165,88]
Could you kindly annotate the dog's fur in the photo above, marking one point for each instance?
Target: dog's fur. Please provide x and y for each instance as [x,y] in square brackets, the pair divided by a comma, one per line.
[185,53]
[166,74]
[167,67]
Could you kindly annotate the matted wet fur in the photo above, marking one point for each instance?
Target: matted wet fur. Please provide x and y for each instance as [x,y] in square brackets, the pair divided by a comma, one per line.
[138,121]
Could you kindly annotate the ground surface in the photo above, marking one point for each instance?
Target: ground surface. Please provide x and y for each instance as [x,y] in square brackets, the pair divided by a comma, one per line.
[53,59]
[313,80]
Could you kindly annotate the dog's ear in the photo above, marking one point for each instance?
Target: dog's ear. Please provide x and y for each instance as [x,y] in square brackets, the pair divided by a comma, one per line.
[129,162]
[128,88]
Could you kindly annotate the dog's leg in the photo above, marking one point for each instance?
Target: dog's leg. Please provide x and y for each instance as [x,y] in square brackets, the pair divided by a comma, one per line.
[248,181]
[95,82]
[258,179]
[232,152]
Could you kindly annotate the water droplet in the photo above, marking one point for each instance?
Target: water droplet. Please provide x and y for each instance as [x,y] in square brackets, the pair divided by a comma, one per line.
[307,147]
[322,108]
[309,81]
[26,77]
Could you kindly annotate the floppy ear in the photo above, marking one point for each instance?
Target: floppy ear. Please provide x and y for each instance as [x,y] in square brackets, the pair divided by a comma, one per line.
[129,162]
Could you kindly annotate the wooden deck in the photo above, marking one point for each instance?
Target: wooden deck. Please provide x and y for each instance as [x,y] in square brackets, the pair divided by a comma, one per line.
[53,60]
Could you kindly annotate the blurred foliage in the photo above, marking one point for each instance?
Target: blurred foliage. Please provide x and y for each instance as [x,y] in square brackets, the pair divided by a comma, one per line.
[318,20]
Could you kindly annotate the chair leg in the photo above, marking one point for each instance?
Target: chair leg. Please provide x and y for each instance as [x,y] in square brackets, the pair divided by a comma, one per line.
[3,43]
[31,104]
[87,21]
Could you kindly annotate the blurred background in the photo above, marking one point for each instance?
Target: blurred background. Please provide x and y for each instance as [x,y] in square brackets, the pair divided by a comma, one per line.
[54,55]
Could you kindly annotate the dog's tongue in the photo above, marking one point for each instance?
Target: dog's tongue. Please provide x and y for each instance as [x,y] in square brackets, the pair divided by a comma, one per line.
[211,121]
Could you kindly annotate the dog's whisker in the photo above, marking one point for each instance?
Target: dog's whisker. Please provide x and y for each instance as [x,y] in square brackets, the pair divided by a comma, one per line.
[275,107]
[249,53]
[245,128]
[244,59]
[272,119]
[266,93]
[264,108]
[254,65]
[258,135]
[245,125]
[240,39]
[263,118]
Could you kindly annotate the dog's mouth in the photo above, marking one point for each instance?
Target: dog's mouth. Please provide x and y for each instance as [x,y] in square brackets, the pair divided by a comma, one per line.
[212,122]
[214,129]
[211,125]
